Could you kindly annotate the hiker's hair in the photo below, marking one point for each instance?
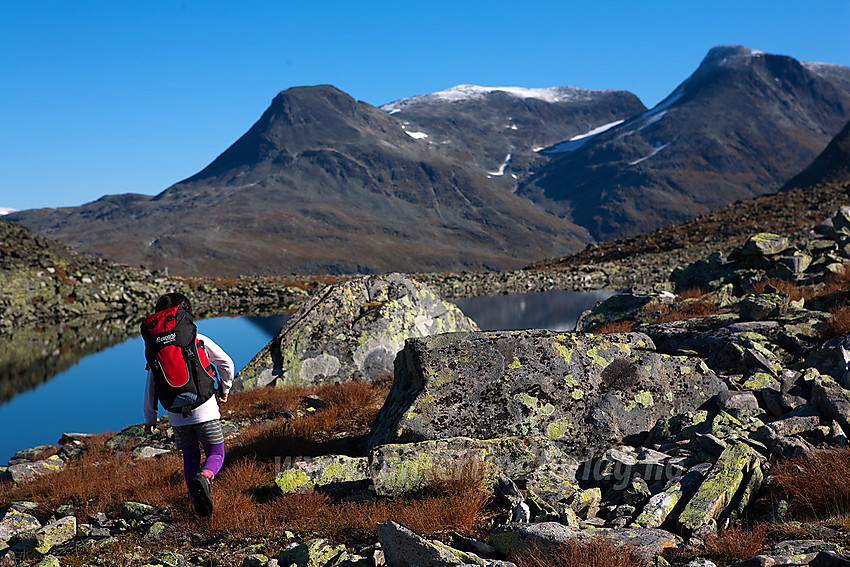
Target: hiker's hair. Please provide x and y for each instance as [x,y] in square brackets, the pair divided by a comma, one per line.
[173,299]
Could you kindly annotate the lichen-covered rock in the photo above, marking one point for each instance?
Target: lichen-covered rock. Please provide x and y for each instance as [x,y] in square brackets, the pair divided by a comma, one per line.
[662,507]
[404,548]
[647,543]
[764,244]
[323,472]
[352,330]
[29,470]
[830,398]
[540,463]
[14,522]
[716,494]
[314,553]
[586,391]
[832,358]
[136,510]
[762,306]
[45,538]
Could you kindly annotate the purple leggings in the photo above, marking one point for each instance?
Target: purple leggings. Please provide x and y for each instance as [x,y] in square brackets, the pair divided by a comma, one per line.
[192,460]
[189,438]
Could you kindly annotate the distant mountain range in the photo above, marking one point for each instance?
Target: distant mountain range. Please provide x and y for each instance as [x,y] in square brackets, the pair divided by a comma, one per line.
[471,177]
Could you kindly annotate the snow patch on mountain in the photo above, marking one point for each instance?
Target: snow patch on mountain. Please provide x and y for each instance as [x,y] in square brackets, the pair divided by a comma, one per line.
[657,149]
[416,135]
[577,141]
[6,211]
[502,167]
[461,93]
[655,114]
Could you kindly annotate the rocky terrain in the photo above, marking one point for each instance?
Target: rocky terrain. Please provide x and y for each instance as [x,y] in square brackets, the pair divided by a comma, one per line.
[665,421]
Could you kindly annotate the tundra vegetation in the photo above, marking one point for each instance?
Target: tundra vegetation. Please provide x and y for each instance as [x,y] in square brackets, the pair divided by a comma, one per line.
[753,466]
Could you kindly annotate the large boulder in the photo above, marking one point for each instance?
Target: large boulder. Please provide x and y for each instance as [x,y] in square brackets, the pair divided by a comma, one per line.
[352,330]
[585,391]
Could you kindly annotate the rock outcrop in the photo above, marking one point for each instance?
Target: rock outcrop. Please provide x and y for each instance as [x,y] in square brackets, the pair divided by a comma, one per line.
[352,331]
[586,391]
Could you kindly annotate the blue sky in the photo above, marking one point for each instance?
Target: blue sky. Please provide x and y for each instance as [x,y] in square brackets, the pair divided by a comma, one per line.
[128,96]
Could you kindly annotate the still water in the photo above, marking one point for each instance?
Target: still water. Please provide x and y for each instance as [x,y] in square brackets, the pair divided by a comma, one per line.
[103,391]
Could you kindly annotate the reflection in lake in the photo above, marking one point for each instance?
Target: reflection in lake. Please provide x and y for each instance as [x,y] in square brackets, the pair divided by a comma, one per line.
[103,391]
[33,354]
[557,310]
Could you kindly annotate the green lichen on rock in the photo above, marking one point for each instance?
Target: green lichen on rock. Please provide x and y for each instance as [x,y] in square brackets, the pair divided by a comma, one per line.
[317,552]
[715,495]
[563,378]
[352,330]
[290,480]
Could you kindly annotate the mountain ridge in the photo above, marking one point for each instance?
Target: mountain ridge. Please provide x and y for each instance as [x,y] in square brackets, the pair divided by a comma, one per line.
[742,124]
[471,177]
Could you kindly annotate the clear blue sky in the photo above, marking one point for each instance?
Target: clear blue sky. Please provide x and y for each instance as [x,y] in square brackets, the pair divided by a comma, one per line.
[127,96]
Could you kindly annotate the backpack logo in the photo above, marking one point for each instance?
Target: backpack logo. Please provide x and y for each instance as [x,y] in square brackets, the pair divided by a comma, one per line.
[167,338]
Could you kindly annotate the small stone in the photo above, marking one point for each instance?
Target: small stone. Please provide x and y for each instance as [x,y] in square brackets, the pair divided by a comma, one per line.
[136,510]
[255,560]
[156,531]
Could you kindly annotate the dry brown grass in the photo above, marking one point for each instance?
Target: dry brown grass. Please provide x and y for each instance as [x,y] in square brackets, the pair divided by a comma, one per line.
[595,552]
[611,327]
[443,507]
[727,546]
[838,323]
[736,544]
[690,309]
[816,486]
[693,293]
[793,290]
[243,491]
[99,480]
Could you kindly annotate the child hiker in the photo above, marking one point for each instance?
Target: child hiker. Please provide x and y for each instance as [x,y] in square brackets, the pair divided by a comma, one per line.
[181,378]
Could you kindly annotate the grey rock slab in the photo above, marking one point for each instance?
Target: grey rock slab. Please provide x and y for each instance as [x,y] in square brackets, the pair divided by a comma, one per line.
[14,522]
[352,330]
[404,548]
[647,543]
[27,471]
[584,390]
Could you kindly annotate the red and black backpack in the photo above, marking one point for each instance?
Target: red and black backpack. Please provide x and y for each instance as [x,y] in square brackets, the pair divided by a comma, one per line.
[183,376]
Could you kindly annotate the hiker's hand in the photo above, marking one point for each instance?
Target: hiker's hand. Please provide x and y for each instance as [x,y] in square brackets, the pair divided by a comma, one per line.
[222,398]
[148,429]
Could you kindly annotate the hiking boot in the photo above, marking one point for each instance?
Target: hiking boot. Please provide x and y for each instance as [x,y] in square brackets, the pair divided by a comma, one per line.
[199,489]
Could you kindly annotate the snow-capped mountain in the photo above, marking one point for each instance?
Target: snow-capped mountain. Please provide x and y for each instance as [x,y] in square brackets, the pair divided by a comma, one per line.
[500,129]
[6,210]
[740,126]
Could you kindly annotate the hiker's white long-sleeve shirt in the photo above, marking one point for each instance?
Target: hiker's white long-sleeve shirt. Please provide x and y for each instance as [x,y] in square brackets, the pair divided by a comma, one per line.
[209,409]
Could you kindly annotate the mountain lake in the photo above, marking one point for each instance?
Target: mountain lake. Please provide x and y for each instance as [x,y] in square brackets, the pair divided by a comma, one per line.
[103,391]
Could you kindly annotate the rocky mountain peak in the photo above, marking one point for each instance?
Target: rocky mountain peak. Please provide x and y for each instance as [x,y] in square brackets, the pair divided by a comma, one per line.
[730,55]
[461,93]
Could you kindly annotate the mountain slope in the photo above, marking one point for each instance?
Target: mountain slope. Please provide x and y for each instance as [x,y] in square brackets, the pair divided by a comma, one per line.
[498,129]
[320,184]
[740,126]
[831,166]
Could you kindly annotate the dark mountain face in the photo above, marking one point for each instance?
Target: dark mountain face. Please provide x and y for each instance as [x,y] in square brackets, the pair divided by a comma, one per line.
[500,130]
[320,184]
[831,166]
[740,126]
